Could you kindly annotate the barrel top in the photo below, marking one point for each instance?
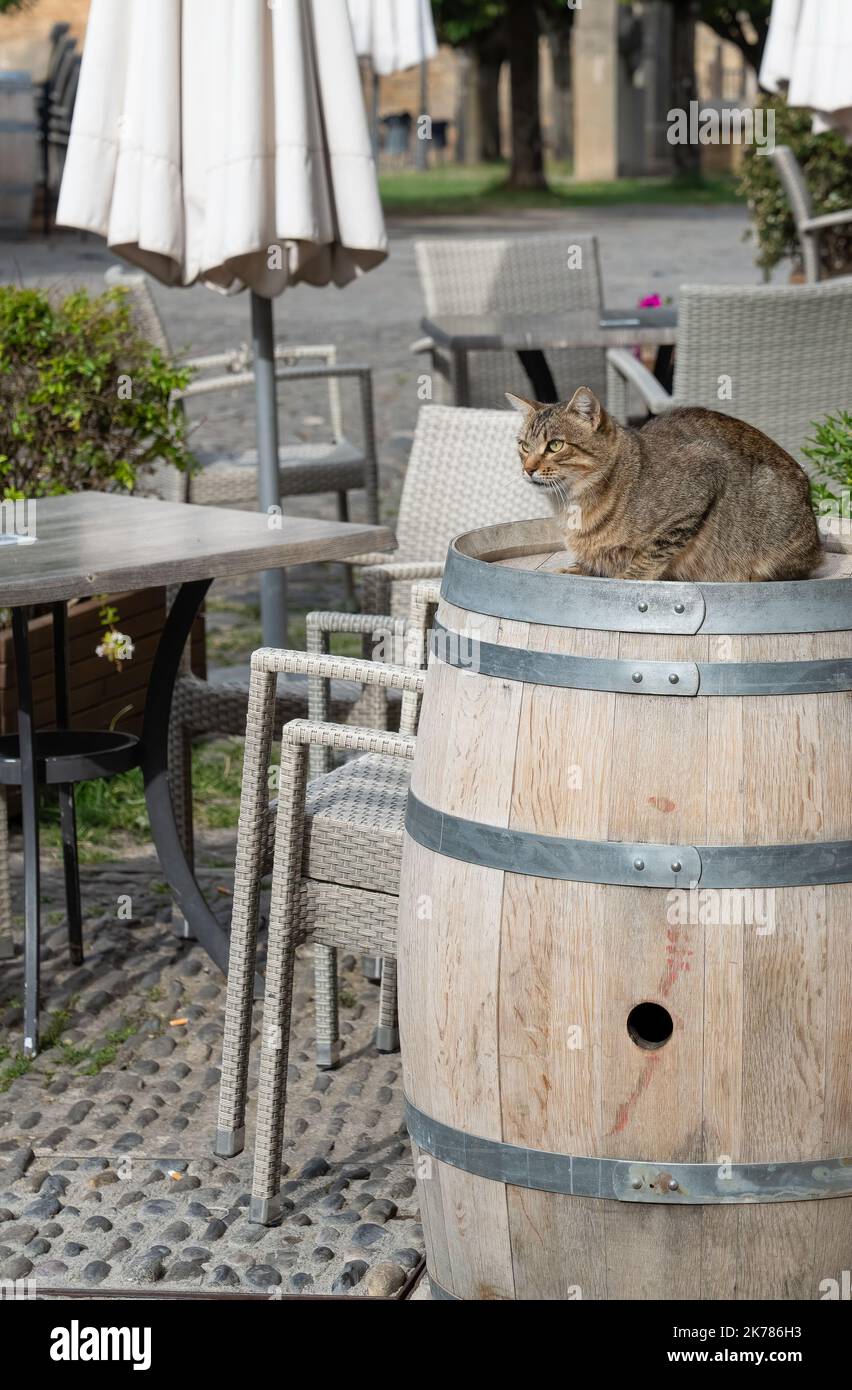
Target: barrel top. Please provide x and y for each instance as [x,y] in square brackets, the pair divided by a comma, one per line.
[511,571]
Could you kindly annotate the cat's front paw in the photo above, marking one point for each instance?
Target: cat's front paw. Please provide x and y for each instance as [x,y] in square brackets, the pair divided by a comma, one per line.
[572,569]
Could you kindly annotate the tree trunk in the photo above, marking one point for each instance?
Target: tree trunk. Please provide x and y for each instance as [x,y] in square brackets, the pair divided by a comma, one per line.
[490,56]
[687,158]
[560,44]
[527,168]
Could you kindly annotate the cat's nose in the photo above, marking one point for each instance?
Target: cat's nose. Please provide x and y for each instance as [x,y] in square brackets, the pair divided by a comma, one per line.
[531,463]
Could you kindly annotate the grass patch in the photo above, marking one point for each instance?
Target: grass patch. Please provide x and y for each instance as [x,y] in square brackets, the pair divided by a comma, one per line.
[111,813]
[232,643]
[87,1061]
[105,1055]
[469,189]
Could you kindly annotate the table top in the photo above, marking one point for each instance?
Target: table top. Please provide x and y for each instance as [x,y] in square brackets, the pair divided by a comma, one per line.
[97,542]
[568,328]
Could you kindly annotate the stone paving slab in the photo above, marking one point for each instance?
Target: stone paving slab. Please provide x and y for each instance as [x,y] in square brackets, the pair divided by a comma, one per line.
[106,1167]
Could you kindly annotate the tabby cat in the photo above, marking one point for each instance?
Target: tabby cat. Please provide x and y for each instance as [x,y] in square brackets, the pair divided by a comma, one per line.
[692,495]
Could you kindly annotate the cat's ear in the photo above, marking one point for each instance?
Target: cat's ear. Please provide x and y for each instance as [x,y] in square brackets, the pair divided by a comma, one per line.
[585,403]
[522,404]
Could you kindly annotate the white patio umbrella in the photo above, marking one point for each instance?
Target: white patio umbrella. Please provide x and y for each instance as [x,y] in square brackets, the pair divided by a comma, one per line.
[809,46]
[225,141]
[394,35]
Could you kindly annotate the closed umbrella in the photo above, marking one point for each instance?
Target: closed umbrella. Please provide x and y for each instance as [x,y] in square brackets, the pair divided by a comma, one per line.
[225,141]
[394,35]
[809,47]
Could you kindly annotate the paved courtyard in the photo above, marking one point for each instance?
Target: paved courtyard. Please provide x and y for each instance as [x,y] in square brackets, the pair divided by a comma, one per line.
[106,1174]
[107,1179]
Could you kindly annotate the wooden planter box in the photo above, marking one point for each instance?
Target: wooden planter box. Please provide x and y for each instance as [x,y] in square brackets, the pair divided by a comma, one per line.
[99,692]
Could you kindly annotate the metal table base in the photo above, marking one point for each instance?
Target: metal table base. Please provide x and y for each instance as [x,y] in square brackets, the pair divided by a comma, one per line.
[63,757]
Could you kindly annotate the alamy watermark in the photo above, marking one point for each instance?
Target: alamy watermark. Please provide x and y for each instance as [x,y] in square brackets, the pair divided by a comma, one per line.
[18,521]
[722,907]
[728,125]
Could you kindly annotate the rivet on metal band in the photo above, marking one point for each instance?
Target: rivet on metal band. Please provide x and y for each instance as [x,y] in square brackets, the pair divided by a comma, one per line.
[629,1180]
[642,864]
[674,678]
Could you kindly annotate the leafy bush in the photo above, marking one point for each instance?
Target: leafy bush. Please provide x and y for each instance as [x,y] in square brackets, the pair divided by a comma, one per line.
[830,451]
[826,160]
[85,400]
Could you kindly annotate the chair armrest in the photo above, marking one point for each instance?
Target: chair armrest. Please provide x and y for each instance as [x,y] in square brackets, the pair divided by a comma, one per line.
[425,593]
[382,629]
[276,660]
[405,569]
[367,557]
[826,220]
[377,581]
[323,371]
[348,738]
[423,345]
[237,378]
[623,367]
[320,624]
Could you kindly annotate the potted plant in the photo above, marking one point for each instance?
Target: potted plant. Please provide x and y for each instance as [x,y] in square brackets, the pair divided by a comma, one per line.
[830,451]
[85,403]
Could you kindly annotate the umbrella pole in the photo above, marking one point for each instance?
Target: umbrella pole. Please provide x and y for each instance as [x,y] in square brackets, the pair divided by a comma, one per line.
[273,583]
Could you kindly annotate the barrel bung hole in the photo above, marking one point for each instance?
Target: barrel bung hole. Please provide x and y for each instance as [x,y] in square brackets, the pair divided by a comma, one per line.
[650,1026]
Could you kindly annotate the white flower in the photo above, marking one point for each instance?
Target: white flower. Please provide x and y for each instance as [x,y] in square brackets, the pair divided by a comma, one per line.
[116,646]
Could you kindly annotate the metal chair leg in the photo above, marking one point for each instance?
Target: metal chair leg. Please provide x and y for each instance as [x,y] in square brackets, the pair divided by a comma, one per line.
[67,810]
[68,824]
[180,784]
[29,816]
[325,997]
[387,1033]
[348,579]
[371,969]
[7,946]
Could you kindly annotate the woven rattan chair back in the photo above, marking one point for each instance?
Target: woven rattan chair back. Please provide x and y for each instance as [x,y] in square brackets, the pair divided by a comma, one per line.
[776,357]
[533,275]
[463,472]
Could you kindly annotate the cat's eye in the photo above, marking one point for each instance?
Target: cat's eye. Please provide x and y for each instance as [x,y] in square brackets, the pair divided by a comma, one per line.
[523,446]
[554,445]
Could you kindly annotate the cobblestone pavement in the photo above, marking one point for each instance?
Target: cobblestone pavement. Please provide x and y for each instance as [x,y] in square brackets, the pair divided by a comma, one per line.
[106,1171]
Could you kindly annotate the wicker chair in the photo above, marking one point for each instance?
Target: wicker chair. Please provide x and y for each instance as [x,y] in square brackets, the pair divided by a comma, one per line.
[808,227]
[532,274]
[785,352]
[225,480]
[462,473]
[334,847]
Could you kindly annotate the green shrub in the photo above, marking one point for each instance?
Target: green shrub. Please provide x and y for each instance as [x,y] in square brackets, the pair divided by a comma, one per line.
[826,160]
[830,451]
[85,400]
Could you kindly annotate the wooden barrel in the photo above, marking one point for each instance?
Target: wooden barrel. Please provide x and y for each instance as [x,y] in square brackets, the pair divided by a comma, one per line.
[625,964]
[18,152]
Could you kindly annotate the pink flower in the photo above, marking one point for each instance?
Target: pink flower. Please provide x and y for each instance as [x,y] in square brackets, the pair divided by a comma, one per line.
[651,301]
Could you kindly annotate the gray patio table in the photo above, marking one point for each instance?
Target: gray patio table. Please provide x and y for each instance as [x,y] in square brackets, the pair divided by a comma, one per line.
[93,543]
[530,335]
